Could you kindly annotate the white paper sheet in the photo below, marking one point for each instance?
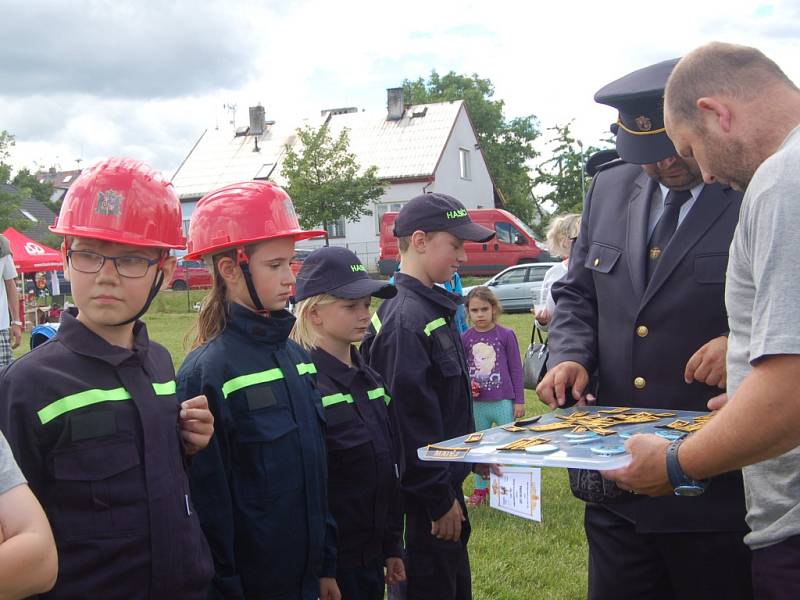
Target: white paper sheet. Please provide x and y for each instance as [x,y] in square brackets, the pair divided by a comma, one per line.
[518,491]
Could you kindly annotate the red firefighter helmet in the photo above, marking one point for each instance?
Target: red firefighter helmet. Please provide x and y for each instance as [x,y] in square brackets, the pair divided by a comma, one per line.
[240,214]
[122,200]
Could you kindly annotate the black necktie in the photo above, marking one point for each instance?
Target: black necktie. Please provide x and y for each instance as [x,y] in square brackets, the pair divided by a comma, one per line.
[665,229]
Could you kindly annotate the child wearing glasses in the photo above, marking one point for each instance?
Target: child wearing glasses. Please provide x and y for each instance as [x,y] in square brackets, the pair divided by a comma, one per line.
[92,415]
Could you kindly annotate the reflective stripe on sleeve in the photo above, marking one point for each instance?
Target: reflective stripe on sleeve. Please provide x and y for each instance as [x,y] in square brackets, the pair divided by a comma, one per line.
[434,325]
[376,323]
[306,369]
[164,389]
[243,381]
[336,399]
[378,393]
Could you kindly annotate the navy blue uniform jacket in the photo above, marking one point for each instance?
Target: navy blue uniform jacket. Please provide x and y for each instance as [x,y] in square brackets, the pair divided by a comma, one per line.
[260,485]
[414,344]
[363,460]
[94,428]
[608,318]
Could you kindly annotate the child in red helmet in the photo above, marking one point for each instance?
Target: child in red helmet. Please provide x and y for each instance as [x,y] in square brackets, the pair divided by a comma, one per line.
[92,415]
[260,486]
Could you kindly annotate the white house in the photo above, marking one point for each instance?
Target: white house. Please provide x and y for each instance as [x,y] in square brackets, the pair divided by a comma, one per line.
[416,148]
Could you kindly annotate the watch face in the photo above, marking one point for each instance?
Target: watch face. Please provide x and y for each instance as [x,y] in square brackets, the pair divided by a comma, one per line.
[689,490]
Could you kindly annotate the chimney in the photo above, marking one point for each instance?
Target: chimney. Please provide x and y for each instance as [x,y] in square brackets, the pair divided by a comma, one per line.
[256,120]
[394,104]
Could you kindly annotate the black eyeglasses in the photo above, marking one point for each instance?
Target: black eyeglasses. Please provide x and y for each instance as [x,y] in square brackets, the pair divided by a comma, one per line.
[132,267]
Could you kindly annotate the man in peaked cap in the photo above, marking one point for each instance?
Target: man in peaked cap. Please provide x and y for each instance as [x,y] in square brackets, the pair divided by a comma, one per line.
[642,307]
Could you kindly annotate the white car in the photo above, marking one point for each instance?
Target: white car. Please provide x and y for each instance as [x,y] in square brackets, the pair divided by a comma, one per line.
[515,286]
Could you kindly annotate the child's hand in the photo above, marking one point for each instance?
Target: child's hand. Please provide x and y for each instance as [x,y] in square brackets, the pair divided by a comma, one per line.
[197,424]
[448,526]
[519,411]
[328,589]
[395,570]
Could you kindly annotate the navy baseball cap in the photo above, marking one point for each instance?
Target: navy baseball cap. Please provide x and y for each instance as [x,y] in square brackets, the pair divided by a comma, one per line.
[337,271]
[439,212]
[639,98]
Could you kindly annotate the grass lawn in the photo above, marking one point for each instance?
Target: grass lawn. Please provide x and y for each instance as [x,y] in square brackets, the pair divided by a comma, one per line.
[512,559]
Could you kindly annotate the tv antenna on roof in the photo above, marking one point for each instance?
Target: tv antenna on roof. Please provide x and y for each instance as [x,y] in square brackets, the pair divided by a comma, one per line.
[231,108]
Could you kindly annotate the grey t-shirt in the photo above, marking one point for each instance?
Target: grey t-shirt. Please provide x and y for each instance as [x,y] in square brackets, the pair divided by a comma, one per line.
[762,295]
[10,475]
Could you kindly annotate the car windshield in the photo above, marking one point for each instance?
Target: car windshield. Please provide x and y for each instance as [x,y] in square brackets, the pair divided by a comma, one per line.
[524,227]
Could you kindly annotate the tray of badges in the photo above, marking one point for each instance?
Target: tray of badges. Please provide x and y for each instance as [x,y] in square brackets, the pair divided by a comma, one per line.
[585,437]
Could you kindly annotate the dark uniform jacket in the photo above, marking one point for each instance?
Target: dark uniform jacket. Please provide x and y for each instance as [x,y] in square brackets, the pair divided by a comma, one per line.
[363,460]
[94,428]
[639,337]
[260,485]
[414,344]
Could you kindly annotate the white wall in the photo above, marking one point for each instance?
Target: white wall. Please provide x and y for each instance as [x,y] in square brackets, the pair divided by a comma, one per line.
[477,191]
[362,237]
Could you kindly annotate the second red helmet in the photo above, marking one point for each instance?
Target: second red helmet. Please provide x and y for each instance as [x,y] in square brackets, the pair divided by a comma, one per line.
[240,214]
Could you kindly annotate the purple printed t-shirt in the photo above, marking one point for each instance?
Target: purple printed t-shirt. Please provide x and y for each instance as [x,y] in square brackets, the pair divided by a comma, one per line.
[495,364]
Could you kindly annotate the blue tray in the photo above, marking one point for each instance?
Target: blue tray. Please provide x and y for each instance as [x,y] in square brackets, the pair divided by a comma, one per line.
[571,449]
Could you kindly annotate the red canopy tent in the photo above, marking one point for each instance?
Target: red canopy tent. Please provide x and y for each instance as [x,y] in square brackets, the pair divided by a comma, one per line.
[31,256]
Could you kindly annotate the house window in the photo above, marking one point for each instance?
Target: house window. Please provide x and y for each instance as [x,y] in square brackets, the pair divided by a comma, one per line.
[382,209]
[335,229]
[463,163]
[186,227]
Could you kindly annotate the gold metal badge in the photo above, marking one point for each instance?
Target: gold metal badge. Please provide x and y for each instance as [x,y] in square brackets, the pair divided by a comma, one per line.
[643,123]
[655,252]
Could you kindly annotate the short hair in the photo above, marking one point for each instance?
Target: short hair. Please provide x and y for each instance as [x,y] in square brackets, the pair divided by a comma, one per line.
[404,243]
[720,69]
[561,231]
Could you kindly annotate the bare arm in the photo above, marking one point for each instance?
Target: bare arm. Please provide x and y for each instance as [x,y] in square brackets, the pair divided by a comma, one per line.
[13,309]
[760,421]
[28,560]
[13,298]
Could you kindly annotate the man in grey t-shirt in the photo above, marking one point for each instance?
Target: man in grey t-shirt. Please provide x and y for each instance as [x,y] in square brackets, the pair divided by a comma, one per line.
[734,111]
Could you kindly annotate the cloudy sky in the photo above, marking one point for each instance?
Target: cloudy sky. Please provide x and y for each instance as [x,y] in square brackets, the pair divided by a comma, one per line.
[90,78]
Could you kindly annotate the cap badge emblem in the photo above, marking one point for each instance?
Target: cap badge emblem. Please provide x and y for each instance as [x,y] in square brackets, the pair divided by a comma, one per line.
[109,203]
[357,268]
[643,123]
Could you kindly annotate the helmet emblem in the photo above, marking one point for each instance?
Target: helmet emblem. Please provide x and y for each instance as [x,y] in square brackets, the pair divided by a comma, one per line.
[109,203]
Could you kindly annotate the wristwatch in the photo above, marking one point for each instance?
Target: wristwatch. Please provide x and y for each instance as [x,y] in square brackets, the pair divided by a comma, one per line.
[17,323]
[681,483]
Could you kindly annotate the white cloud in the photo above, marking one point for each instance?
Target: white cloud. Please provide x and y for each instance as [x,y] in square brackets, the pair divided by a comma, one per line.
[546,59]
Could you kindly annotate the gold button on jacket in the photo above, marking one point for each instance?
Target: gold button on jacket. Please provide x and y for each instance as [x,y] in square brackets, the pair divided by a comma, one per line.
[639,383]
[642,331]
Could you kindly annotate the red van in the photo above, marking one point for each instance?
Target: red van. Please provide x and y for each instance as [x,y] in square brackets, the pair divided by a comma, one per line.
[513,244]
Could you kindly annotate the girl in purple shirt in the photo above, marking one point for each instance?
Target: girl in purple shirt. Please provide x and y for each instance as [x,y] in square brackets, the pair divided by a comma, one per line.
[495,368]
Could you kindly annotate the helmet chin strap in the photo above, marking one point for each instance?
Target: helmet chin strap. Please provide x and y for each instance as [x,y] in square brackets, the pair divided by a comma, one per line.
[244,265]
[150,296]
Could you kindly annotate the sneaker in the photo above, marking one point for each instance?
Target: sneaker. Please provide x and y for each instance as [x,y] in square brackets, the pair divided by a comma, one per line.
[478,497]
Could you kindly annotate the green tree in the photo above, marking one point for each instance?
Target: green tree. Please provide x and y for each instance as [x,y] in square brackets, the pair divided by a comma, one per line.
[561,180]
[507,145]
[9,201]
[325,181]
[30,187]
